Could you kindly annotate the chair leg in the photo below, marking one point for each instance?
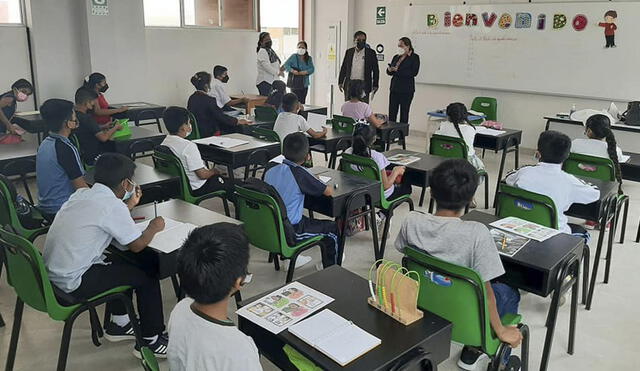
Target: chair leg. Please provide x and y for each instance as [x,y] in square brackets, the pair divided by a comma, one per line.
[638,234]
[292,267]
[270,260]
[176,287]
[225,204]
[385,232]
[607,266]
[431,208]
[276,262]
[64,344]
[524,351]
[594,271]
[486,191]
[574,311]
[15,333]
[424,190]
[586,256]
[483,150]
[624,219]
[135,324]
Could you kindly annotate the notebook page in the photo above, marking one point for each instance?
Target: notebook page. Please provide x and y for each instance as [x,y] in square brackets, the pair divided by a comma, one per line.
[316,121]
[347,344]
[318,327]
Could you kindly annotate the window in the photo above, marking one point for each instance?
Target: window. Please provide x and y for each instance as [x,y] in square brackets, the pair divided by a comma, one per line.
[238,14]
[202,13]
[10,11]
[280,18]
[161,13]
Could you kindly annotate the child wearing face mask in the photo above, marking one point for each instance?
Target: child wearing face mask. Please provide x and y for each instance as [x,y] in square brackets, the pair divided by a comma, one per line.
[220,78]
[20,92]
[300,64]
[102,113]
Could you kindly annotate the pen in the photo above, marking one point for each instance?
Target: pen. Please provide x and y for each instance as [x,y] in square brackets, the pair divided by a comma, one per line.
[155,208]
[504,242]
[138,218]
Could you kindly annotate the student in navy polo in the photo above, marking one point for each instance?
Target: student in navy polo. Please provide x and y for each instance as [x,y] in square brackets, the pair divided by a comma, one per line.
[293,182]
[59,171]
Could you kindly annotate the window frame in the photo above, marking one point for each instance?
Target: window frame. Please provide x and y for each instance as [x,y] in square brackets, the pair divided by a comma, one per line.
[23,13]
[183,25]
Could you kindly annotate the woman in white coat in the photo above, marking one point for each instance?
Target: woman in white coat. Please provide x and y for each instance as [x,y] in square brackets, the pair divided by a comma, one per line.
[268,65]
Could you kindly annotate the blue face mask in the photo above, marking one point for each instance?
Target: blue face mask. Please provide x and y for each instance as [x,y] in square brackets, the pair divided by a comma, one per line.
[129,194]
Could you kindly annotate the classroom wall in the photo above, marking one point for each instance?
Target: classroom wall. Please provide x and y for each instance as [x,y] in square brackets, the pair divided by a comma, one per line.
[15,60]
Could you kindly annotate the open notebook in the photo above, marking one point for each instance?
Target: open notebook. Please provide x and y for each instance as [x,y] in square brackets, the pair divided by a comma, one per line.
[334,336]
[223,142]
[172,237]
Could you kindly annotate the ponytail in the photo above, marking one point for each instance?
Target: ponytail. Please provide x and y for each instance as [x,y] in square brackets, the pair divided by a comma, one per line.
[201,80]
[612,150]
[363,137]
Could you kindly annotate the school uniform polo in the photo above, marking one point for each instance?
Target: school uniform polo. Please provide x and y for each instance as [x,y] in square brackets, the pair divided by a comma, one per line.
[57,163]
[90,146]
[83,228]
[288,123]
[189,155]
[218,92]
[593,147]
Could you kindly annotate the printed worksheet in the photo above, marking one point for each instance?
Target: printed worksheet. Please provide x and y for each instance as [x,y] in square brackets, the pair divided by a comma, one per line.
[508,243]
[525,228]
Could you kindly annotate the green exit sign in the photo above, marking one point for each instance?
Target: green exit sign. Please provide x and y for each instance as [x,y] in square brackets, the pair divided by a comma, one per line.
[381,15]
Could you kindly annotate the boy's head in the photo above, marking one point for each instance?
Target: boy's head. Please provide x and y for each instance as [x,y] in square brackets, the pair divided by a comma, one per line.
[290,103]
[59,115]
[453,184]
[221,73]
[295,147]
[85,99]
[279,86]
[176,120]
[610,16]
[356,89]
[553,147]
[115,171]
[212,262]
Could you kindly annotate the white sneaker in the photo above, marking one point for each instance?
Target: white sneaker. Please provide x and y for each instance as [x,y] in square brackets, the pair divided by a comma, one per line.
[302,260]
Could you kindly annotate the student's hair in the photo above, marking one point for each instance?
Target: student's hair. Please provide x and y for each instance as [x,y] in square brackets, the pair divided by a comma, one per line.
[356,89]
[457,114]
[277,94]
[290,102]
[174,117]
[453,184]
[554,147]
[84,95]
[364,135]
[306,56]
[358,33]
[611,13]
[112,168]
[22,84]
[211,260]
[92,80]
[600,126]
[279,86]
[201,80]
[55,112]
[219,70]
[260,38]
[407,41]
[295,147]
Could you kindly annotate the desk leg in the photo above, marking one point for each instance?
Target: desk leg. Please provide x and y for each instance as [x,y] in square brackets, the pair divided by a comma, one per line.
[517,154]
[612,233]
[346,217]
[502,161]
[553,314]
[546,127]
[574,311]
[596,263]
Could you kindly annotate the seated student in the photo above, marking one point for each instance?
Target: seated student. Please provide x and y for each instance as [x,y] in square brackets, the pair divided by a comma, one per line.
[277,94]
[221,77]
[293,182]
[212,265]
[59,171]
[457,126]
[20,92]
[547,178]
[356,108]
[201,179]
[210,118]
[80,234]
[93,139]
[102,113]
[468,243]
[290,121]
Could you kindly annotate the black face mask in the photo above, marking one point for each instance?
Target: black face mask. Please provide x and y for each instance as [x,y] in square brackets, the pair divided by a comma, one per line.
[268,44]
[225,79]
[104,88]
[360,44]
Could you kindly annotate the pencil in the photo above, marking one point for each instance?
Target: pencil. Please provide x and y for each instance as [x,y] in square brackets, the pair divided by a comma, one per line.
[155,208]
[504,242]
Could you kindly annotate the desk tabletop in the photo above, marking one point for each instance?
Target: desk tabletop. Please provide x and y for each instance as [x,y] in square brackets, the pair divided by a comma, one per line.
[350,292]
[144,175]
[27,148]
[138,133]
[183,212]
[138,105]
[248,96]
[348,184]
[440,114]
[615,126]
[426,163]
[253,144]
[309,107]
[332,135]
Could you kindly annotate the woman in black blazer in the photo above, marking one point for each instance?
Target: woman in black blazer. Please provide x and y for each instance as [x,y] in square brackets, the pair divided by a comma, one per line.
[403,68]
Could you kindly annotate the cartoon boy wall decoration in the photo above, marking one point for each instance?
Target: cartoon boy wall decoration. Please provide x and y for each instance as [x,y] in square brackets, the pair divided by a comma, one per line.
[609,28]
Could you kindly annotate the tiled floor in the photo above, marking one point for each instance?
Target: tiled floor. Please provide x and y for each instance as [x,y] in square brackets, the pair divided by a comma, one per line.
[607,336]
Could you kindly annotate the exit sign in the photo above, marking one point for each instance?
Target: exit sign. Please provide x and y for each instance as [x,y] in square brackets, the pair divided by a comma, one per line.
[381,15]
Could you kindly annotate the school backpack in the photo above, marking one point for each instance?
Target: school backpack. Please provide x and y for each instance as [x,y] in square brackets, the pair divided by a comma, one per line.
[27,213]
[632,115]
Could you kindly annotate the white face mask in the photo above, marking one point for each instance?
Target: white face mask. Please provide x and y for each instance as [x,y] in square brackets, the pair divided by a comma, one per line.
[128,194]
[301,51]
[401,51]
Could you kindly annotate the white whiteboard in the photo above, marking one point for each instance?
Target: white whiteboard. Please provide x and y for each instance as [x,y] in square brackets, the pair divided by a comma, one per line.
[550,61]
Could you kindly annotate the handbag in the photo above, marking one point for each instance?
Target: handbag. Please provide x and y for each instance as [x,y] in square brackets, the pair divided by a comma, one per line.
[632,115]
[295,82]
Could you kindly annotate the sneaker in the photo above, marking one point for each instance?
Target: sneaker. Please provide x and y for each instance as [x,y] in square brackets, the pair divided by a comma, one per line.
[470,358]
[513,364]
[158,347]
[302,260]
[590,225]
[380,219]
[115,333]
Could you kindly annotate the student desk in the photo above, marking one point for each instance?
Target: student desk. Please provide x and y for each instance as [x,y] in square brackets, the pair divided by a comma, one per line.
[631,168]
[353,193]
[246,129]
[139,111]
[254,100]
[32,123]
[25,150]
[627,136]
[238,156]
[417,173]
[385,131]
[328,143]
[306,108]
[138,134]
[350,291]
[541,268]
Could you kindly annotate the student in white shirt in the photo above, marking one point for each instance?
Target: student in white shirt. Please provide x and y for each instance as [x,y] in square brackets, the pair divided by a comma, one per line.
[290,121]
[83,228]
[268,64]
[547,178]
[457,126]
[201,179]
[220,78]
[212,266]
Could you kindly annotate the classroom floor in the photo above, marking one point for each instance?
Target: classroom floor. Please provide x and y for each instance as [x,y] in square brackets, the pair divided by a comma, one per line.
[605,335]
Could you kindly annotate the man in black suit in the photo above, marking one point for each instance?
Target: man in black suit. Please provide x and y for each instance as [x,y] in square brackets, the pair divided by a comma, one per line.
[359,63]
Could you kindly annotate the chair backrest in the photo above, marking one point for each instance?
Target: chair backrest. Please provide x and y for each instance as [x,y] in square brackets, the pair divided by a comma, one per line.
[139,147]
[258,160]
[343,123]
[534,207]
[364,167]
[265,113]
[149,361]
[486,105]
[455,293]
[165,161]
[590,166]
[445,146]
[195,129]
[264,134]
[8,214]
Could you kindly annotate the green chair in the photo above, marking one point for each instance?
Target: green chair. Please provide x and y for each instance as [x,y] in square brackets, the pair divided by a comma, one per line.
[452,147]
[265,113]
[165,161]
[9,214]
[29,278]
[195,130]
[462,300]
[263,134]
[149,361]
[343,123]
[264,226]
[486,105]
[367,168]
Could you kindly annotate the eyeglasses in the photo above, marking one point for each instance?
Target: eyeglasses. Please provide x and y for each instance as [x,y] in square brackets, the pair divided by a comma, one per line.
[247,279]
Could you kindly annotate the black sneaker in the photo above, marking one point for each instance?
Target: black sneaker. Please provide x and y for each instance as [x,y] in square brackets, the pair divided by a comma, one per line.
[513,364]
[115,333]
[158,347]
[470,358]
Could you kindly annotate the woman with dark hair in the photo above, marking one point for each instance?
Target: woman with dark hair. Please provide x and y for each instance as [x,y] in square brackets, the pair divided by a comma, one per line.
[299,64]
[403,69]
[20,92]
[268,64]
[98,83]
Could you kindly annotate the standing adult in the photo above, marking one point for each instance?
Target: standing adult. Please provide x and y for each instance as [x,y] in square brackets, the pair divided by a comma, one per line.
[359,63]
[300,67]
[403,70]
[268,64]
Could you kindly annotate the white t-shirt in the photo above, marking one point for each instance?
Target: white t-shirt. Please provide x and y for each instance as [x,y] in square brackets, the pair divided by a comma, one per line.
[267,71]
[382,162]
[217,91]
[189,155]
[198,342]
[593,147]
[288,123]
[468,134]
[83,228]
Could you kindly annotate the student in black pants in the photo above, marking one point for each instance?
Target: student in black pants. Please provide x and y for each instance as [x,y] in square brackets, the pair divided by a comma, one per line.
[403,68]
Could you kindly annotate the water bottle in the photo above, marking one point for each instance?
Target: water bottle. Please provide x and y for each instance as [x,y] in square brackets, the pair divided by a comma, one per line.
[573,109]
